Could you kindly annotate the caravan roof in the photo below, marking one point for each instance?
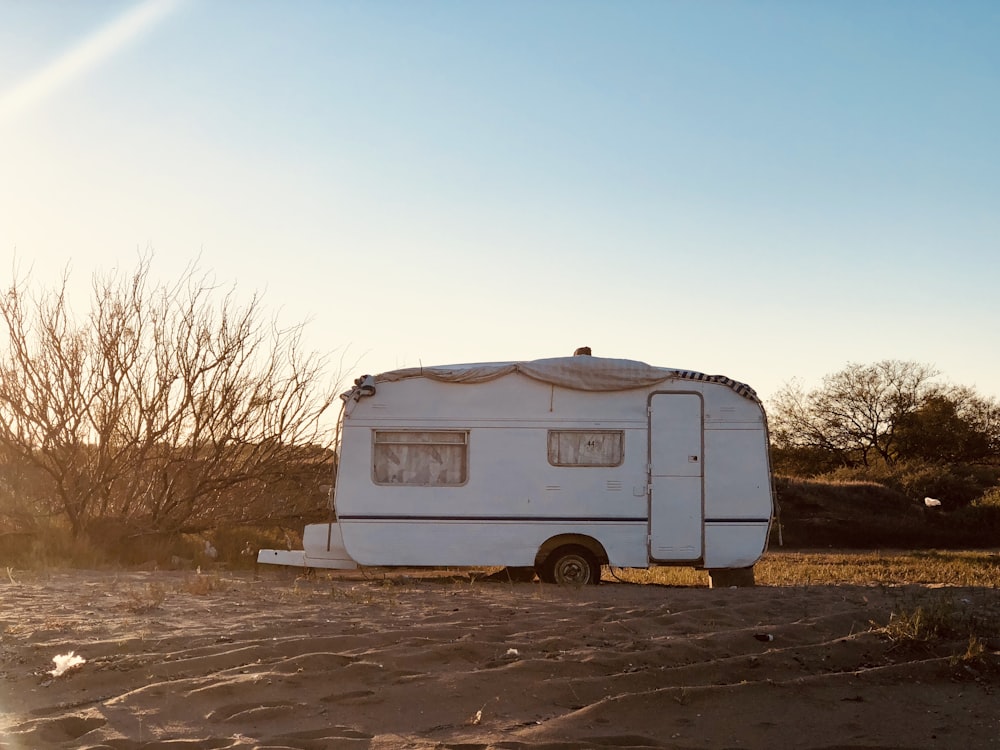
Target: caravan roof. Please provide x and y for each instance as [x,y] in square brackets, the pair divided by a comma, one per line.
[582,373]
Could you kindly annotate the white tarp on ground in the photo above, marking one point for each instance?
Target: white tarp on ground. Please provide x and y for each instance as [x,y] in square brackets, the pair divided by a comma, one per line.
[581,373]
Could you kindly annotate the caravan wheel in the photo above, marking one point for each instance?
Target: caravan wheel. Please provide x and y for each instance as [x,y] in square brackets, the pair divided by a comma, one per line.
[573,565]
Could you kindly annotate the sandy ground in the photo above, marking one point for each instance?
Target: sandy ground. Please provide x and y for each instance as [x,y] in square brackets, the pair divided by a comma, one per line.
[435,660]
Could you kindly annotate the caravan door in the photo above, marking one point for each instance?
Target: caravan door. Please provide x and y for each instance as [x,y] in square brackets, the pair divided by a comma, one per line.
[676,481]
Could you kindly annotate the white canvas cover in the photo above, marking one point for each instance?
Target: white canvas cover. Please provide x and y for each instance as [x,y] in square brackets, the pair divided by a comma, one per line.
[582,373]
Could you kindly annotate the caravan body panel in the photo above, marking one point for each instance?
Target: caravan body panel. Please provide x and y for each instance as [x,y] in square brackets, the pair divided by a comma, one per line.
[494,464]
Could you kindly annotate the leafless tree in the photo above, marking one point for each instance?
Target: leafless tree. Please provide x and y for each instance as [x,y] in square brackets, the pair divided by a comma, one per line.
[168,407]
[855,413]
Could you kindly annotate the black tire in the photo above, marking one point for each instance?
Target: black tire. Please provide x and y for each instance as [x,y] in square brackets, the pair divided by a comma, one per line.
[571,565]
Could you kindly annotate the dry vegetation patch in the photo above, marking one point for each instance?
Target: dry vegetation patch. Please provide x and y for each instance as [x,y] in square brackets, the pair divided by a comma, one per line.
[881,567]
[847,567]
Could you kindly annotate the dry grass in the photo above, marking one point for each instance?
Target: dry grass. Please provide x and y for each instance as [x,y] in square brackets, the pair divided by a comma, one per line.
[201,584]
[51,545]
[961,624]
[151,596]
[857,568]
[887,568]
[659,576]
[142,599]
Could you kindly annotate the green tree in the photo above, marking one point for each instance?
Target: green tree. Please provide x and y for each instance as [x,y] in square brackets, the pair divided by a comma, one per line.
[939,431]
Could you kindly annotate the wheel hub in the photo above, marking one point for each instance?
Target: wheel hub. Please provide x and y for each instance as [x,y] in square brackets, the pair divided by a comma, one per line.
[572,570]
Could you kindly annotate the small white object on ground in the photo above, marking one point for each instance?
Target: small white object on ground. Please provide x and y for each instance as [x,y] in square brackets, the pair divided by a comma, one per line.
[65,662]
[930,502]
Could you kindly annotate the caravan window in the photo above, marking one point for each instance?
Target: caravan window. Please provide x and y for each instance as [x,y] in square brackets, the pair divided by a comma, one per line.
[420,457]
[586,447]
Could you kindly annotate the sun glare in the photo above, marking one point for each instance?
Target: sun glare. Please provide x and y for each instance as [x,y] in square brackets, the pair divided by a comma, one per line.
[82,58]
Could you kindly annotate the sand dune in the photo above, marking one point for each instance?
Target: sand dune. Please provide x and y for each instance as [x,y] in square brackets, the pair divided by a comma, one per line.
[435,660]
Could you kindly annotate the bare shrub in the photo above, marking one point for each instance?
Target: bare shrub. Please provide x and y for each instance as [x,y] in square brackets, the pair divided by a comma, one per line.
[148,598]
[201,585]
[171,408]
[933,621]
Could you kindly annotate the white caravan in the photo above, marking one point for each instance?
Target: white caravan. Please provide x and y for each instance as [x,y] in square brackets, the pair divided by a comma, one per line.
[557,465]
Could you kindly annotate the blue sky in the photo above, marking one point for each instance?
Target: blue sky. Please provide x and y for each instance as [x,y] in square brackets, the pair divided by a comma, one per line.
[766,190]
